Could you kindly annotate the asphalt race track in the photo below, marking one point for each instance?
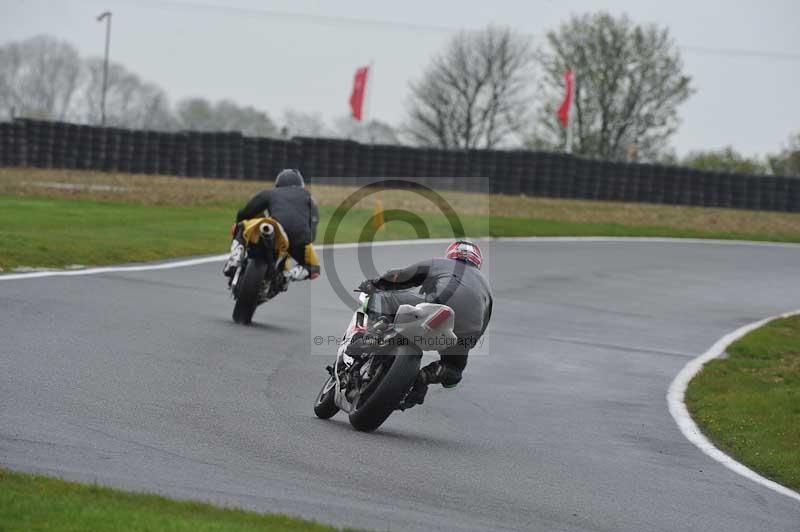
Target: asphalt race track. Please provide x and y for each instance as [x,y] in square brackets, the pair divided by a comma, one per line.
[141,380]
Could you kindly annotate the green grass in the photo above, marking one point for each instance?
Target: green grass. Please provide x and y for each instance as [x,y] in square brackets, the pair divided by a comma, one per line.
[57,232]
[749,402]
[53,232]
[37,503]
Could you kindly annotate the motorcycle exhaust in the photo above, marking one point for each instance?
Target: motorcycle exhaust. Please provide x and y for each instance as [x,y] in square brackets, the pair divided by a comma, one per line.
[267,231]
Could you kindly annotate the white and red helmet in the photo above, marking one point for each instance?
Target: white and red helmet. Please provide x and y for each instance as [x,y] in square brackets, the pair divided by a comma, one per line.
[466,251]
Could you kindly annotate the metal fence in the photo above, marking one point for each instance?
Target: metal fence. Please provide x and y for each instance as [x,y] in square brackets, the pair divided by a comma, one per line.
[45,144]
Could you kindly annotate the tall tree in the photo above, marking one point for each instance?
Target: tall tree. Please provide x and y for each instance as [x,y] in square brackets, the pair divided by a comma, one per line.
[302,124]
[629,82]
[475,94]
[246,119]
[787,162]
[39,78]
[196,114]
[724,160]
[371,131]
[130,102]
[199,114]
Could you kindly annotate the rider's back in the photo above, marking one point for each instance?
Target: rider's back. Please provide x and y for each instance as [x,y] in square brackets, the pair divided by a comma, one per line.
[463,288]
[291,206]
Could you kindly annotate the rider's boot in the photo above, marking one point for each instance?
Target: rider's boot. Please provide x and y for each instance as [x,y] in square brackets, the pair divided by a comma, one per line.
[417,394]
[433,373]
[297,273]
[301,273]
[235,260]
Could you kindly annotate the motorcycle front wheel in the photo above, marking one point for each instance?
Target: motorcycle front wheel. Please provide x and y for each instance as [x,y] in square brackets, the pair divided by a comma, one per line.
[324,406]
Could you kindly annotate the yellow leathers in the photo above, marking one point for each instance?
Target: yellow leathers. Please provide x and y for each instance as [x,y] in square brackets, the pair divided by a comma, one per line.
[252,234]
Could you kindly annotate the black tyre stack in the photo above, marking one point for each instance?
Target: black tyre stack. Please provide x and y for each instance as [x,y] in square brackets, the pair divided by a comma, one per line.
[46,144]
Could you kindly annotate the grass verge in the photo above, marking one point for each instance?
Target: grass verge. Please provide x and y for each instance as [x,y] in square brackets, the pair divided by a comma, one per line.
[57,232]
[33,502]
[748,403]
[56,218]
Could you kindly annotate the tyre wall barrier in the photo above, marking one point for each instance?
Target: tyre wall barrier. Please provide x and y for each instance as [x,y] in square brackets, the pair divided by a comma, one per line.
[46,144]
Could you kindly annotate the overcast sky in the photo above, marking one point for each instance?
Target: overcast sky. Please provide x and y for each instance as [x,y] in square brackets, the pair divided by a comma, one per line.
[259,53]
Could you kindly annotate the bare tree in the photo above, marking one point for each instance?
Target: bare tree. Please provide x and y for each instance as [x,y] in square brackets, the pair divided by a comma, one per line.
[787,161]
[301,124]
[724,160]
[39,78]
[629,83]
[201,115]
[371,131]
[130,102]
[476,94]
[196,114]
[248,120]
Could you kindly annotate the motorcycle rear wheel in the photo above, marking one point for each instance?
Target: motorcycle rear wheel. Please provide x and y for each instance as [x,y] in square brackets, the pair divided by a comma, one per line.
[249,290]
[369,413]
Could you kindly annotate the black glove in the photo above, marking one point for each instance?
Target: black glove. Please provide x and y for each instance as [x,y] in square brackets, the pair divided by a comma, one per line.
[367,286]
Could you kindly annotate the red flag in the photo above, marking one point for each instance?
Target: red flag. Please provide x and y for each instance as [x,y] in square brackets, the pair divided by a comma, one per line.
[563,111]
[359,89]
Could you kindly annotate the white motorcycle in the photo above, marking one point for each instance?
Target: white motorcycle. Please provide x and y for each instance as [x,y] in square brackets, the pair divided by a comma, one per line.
[372,385]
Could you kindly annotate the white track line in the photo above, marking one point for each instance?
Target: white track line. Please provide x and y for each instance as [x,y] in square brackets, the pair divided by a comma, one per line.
[193,262]
[677,389]
[533,239]
[677,407]
[112,269]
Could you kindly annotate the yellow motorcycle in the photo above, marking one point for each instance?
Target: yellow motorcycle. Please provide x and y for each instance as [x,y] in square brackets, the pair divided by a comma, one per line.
[260,275]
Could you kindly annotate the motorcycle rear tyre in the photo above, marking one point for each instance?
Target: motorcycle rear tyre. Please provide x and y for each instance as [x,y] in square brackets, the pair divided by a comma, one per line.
[383,401]
[249,290]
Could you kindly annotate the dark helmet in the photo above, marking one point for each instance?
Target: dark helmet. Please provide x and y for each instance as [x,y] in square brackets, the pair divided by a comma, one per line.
[466,251]
[290,177]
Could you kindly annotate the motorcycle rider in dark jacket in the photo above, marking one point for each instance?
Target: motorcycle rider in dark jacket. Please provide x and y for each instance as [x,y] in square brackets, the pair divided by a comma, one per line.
[294,208]
[455,281]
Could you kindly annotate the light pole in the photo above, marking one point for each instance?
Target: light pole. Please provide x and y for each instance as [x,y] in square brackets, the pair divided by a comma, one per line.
[107,17]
